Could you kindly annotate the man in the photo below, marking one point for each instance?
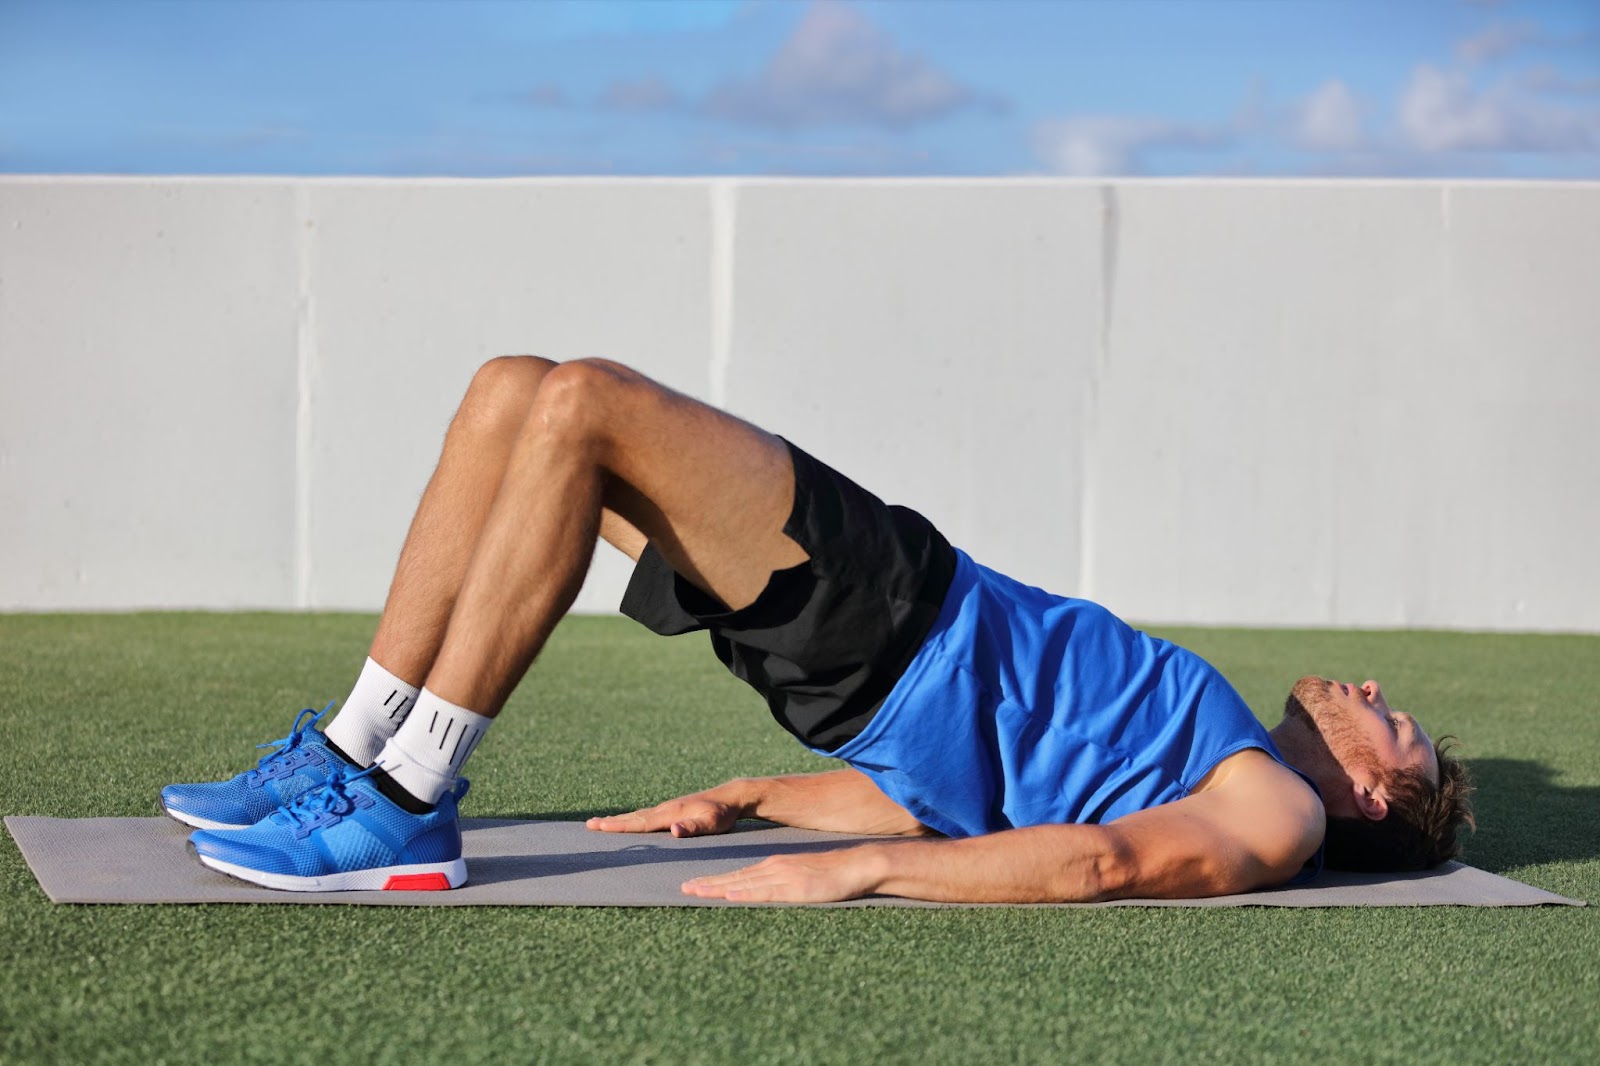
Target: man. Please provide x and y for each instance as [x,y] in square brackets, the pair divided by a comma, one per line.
[1060,754]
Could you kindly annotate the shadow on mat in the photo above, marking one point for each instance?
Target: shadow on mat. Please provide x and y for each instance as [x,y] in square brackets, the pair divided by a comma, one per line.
[491,869]
[599,812]
[1525,818]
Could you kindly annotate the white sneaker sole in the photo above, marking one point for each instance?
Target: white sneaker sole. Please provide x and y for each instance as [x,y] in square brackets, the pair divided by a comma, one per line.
[199,822]
[420,877]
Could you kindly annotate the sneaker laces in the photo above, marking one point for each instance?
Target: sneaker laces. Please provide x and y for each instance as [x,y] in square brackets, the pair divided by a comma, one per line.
[323,805]
[284,745]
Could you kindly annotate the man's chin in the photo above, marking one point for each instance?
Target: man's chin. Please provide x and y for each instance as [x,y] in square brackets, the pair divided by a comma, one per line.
[1305,695]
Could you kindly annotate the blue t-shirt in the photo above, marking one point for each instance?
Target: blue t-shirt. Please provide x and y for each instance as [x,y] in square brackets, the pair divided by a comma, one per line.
[1025,708]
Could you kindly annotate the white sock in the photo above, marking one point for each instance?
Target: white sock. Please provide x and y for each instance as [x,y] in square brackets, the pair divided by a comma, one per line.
[429,750]
[375,708]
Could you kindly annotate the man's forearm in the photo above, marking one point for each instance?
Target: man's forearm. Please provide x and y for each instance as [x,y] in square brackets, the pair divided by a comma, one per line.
[1041,864]
[841,801]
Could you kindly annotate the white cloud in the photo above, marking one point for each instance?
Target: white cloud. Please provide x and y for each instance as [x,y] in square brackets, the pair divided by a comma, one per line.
[1330,119]
[1443,122]
[1101,145]
[839,68]
[1441,111]
[1497,40]
[1104,145]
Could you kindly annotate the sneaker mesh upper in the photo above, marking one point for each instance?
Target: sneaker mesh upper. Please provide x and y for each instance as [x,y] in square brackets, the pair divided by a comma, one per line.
[345,826]
[301,763]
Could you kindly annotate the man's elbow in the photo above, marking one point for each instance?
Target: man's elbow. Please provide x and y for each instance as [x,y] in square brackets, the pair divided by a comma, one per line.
[1123,869]
[1106,870]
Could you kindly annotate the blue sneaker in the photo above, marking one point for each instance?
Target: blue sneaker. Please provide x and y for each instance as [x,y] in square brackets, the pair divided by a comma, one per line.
[299,763]
[345,835]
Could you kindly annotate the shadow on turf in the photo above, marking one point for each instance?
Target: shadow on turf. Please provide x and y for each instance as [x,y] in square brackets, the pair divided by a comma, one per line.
[1525,818]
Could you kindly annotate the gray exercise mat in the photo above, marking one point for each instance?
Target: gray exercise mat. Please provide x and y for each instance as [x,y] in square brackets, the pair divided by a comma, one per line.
[562,864]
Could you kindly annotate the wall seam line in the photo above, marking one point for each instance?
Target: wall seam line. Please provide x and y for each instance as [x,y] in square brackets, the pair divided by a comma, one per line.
[1110,234]
[305,358]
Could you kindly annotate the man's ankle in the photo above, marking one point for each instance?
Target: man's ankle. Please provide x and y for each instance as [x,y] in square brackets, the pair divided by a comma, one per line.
[396,794]
[426,754]
[345,755]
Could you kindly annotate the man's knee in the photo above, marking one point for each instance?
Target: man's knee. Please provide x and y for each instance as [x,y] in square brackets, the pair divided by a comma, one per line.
[580,400]
[502,392]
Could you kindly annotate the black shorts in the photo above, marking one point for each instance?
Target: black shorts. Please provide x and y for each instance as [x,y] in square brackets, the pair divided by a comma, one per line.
[826,640]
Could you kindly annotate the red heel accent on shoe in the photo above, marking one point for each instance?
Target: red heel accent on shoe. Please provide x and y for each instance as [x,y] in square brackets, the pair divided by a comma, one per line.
[417,883]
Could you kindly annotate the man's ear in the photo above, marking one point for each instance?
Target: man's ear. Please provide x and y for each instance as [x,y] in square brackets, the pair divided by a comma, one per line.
[1373,804]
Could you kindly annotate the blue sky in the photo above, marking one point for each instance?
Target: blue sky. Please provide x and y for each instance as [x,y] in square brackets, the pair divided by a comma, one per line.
[860,87]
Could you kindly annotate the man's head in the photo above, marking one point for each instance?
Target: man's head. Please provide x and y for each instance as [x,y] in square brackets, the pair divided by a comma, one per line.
[1394,798]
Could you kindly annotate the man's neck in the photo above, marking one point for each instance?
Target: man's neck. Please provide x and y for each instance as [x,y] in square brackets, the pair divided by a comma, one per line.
[1306,751]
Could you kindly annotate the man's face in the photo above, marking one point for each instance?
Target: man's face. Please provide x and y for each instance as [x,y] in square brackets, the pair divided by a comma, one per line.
[1361,729]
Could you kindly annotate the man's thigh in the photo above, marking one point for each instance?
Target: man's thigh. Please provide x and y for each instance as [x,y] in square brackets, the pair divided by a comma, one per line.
[711,491]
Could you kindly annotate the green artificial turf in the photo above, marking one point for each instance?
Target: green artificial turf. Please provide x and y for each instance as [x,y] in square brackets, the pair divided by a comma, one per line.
[96,712]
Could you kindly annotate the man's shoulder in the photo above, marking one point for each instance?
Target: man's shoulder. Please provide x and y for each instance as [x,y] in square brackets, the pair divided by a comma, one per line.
[1256,823]
[1256,772]
[1271,807]
[1263,798]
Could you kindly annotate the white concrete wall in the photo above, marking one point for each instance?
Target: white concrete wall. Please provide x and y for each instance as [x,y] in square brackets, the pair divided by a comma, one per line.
[1317,403]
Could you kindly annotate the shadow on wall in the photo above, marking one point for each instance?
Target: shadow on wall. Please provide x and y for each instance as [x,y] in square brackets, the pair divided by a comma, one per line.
[1525,818]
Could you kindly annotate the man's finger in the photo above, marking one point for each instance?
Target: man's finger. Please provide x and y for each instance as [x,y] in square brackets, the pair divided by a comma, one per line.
[718,881]
[715,887]
[718,884]
[632,822]
[750,885]
[704,825]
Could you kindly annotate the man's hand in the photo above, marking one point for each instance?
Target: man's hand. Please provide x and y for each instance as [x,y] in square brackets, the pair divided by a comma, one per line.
[839,801]
[820,877]
[700,814]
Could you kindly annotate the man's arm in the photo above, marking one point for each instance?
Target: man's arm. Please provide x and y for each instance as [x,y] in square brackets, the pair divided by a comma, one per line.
[1255,830]
[840,801]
